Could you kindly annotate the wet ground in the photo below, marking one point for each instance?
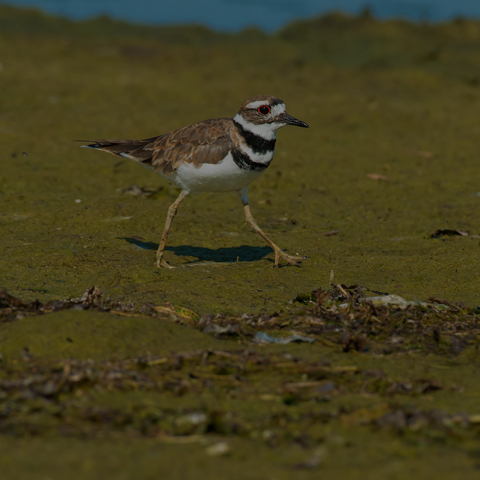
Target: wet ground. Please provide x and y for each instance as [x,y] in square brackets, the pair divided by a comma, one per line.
[382,190]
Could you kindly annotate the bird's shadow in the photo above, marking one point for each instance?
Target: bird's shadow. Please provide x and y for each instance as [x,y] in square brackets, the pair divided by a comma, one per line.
[242,253]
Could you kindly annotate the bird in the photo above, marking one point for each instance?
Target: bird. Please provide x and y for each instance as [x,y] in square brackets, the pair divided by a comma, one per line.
[216,155]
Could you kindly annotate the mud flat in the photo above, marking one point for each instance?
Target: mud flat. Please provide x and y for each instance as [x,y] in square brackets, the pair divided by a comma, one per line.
[150,367]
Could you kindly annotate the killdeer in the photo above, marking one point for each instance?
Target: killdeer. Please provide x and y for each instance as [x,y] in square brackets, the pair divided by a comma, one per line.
[218,155]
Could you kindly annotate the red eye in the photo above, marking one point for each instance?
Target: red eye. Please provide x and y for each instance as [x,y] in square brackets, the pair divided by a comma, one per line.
[264,110]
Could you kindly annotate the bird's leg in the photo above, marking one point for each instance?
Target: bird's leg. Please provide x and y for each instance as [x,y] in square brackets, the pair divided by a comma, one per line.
[279,253]
[171,213]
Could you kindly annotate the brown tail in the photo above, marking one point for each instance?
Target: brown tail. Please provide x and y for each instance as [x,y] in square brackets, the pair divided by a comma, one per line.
[138,150]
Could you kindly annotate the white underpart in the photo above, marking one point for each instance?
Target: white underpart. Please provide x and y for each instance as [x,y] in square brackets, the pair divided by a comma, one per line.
[224,176]
[268,131]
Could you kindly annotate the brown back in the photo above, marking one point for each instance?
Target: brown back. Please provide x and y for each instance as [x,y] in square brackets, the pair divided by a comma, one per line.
[205,142]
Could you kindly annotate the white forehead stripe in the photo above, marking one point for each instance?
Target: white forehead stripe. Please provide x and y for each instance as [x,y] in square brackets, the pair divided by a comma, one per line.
[257,104]
[278,109]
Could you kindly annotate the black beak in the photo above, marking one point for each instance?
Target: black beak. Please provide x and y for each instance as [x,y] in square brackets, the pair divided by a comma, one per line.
[289,120]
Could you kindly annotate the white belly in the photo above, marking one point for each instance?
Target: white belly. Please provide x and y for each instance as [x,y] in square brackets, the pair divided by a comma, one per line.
[224,176]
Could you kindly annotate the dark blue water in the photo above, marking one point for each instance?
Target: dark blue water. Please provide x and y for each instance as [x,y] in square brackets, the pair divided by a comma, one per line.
[233,15]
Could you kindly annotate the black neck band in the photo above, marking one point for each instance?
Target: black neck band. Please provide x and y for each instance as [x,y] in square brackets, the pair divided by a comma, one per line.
[257,143]
[244,162]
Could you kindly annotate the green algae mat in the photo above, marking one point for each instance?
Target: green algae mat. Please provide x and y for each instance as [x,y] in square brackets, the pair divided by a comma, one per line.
[226,366]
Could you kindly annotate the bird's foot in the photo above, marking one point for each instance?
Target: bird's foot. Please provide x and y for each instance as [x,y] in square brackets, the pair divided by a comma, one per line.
[291,259]
[161,263]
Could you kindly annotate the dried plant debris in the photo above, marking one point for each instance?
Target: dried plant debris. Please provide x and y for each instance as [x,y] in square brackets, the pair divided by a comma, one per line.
[141,191]
[413,419]
[38,397]
[420,153]
[348,316]
[448,232]
[296,397]
[13,308]
[344,317]
[267,392]
[262,337]
[377,176]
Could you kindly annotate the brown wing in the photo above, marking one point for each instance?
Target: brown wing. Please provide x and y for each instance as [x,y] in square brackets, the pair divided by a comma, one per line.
[204,142]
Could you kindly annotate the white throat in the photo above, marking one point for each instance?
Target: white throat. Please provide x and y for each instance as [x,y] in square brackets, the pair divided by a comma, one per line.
[268,131]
